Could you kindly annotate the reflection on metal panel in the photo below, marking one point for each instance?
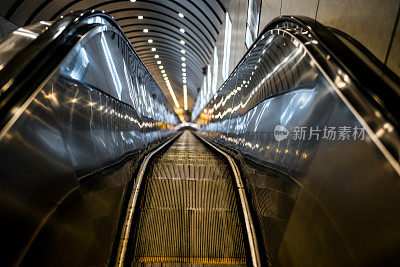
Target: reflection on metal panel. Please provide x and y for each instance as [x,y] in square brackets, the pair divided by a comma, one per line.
[69,153]
[20,38]
[313,167]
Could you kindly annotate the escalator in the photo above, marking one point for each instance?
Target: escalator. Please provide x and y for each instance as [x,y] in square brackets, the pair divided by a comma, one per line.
[190,190]
[95,171]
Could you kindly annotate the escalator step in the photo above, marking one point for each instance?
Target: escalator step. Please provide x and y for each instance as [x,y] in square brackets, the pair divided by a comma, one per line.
[188,212]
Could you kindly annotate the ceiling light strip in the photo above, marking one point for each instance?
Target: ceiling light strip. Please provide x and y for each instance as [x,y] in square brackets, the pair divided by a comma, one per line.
[173,95]
[185,97]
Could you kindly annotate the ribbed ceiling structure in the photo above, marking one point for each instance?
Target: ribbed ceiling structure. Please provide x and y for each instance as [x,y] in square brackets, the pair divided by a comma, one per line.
[174,38]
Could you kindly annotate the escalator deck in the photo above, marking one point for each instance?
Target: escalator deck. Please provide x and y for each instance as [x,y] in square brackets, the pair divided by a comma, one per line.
[188,212]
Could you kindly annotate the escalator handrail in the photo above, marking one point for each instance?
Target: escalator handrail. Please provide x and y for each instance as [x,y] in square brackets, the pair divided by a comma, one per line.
[372,85]
[382,90]
[35,62]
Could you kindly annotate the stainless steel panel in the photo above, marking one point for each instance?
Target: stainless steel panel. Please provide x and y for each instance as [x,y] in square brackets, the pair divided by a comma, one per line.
[318,201]
[98,107]
[18,39]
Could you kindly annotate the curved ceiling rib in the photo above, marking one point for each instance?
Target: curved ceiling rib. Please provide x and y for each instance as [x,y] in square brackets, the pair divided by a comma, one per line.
[102,5]
[142,50]
[172,26]
[166,44]
[160,6]
[144,25]
[194,77]
[188,46]
[146,56]
[176,75]
[177,70]
[149,11]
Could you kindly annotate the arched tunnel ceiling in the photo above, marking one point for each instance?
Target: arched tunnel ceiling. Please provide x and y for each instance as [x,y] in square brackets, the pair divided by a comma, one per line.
[201,22]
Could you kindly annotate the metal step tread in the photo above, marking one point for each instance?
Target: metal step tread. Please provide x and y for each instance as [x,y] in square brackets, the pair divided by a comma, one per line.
[188,212]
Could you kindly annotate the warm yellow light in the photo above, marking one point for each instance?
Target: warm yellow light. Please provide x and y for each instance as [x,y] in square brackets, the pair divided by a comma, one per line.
[185,97]
[163,71]
[183,51]
[153,49]
[183,64]
[181,15]
[183,70]
[140,17]
[183,58]
[159,62]
[145,30]
[51,96]
[171,92]
[161,67]
[182,30]
[156,56]
[150,41]
[182,42]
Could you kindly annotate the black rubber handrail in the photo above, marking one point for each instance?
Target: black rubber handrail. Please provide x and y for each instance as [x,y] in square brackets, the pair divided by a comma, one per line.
[26,71]
[382,90]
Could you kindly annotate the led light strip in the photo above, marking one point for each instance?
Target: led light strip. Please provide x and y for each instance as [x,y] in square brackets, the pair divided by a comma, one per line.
[173,95]
[185,96]
[161,67]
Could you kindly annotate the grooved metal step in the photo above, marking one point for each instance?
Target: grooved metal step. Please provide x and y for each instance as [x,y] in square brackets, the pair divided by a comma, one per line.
[188,212]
